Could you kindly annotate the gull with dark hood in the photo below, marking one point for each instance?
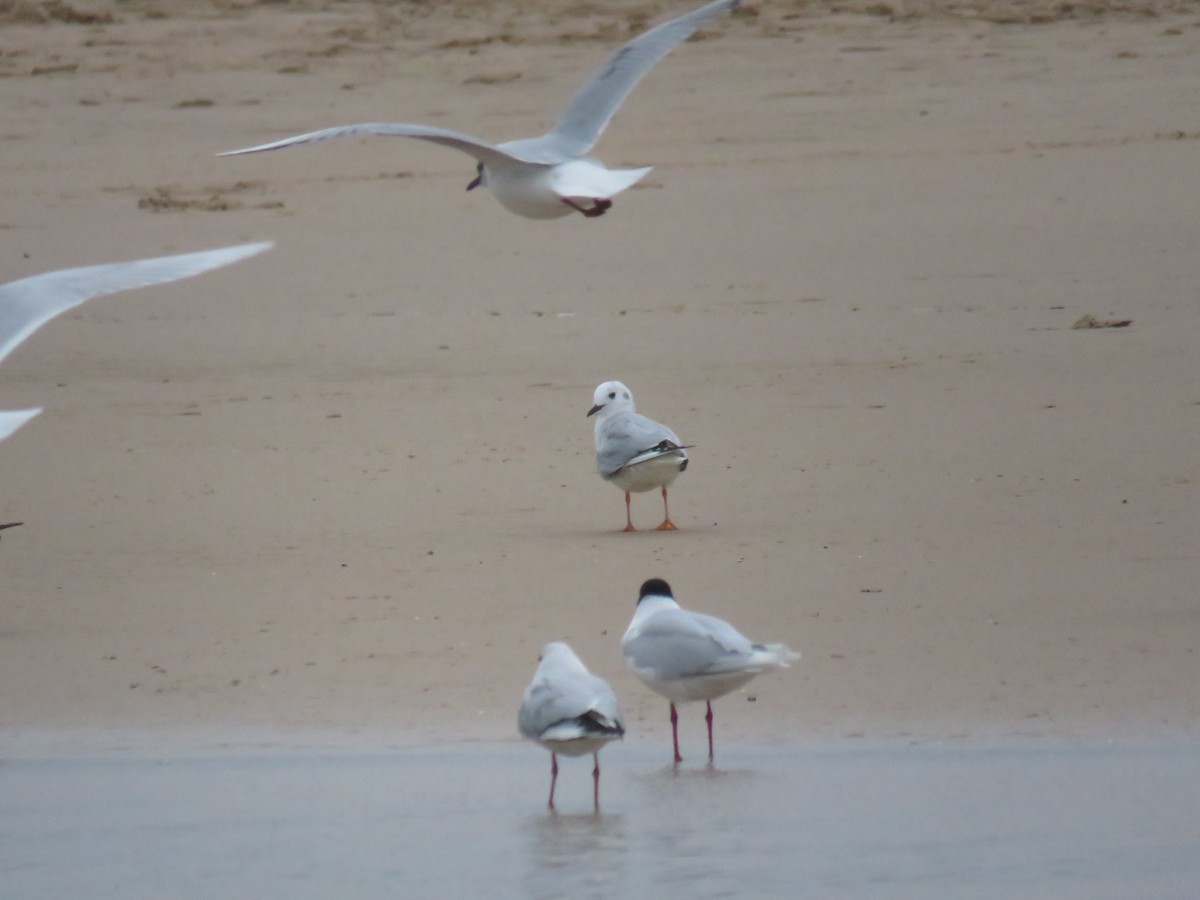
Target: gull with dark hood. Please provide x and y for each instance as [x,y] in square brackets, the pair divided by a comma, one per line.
[687,656]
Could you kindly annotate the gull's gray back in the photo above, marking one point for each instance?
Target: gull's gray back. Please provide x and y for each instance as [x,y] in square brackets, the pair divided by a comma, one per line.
[555,698]
[675,643]
[624,436]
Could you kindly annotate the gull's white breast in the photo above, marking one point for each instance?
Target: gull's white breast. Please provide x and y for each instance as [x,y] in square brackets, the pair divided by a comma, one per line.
[659,471]
[527,191]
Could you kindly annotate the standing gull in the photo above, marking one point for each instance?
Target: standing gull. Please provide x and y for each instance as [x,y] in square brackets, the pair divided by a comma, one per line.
[688,656]
[569,710]
[550,176]
[633,452]
[28,304]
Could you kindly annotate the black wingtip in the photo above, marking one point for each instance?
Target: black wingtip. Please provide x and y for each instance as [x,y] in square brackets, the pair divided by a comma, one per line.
[655,587]
[597,723]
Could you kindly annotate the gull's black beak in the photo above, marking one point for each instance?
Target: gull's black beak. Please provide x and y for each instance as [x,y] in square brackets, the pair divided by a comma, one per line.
[595,409]
[478,179]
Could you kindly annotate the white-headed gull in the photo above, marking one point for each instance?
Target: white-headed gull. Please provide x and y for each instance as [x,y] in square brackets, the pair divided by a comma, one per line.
[689,656]
[633,452]
[550,176]
[28,304]
[569,710]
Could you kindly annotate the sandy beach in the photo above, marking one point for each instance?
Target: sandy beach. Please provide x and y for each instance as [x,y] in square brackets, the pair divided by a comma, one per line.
[349,484]
[294,531]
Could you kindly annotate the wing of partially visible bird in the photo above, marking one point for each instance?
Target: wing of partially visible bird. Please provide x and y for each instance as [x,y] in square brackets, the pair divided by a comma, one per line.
[29,303]
[11,421]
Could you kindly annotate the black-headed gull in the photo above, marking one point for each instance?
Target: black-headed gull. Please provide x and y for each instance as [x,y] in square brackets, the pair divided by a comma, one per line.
[28,304]
[689,656]
[569,710]
[633,452]
[550,176]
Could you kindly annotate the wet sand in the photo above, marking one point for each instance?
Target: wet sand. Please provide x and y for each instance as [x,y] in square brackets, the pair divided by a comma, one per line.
[253,820]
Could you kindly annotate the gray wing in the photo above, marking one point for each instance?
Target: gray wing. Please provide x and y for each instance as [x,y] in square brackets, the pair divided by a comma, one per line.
[625,436]
[551,700]
[481,150]
[591,109]
[28,304]
[679,644]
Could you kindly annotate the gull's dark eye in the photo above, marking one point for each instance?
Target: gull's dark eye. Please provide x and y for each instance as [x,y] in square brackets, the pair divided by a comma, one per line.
[612,395]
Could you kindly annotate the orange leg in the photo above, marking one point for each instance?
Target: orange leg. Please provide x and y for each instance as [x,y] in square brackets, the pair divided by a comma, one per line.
[667,524]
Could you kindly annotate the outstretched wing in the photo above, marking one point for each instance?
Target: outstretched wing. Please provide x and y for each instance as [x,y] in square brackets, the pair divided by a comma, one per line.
[28,304]
[11,421]
[486,153]
[591,109]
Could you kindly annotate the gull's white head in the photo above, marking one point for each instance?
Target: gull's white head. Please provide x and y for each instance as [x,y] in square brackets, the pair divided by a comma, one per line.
[610,397]
[559,653]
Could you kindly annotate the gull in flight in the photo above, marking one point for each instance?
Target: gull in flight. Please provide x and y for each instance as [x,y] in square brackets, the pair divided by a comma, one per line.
[686,656]
[28,304]
[569,710]
[633,452]
[549,176]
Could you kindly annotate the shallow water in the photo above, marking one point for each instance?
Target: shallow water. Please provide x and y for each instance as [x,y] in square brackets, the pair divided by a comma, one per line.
[827,821]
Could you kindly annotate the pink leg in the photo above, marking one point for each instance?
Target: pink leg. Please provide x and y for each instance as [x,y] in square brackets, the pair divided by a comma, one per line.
[675,733]
[667,524]
[628,516]
[708,719]
[553,777]
[596,782]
